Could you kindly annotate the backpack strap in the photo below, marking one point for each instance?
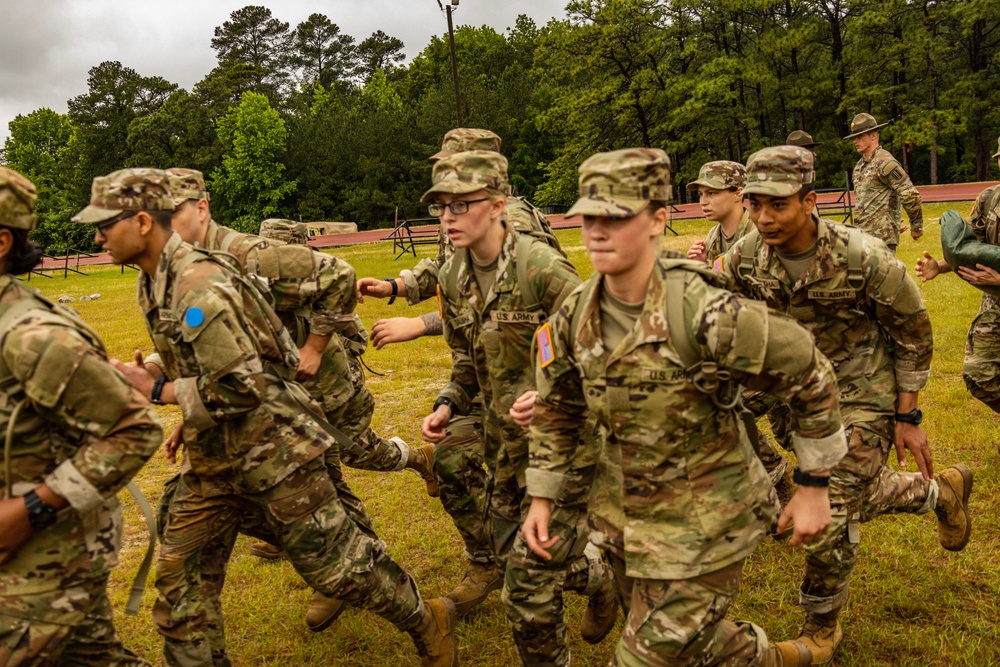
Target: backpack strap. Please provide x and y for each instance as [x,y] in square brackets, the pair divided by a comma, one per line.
[748,254]
[586,295]
[855,242]
[521,253]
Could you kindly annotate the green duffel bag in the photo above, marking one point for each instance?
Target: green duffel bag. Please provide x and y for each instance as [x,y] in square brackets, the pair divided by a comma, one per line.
[961,248]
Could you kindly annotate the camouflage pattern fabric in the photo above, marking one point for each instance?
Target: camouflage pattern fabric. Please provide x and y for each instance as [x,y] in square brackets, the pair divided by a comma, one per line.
[684,622]
[620,184]
[780,171]
[285,231]
[127,190]
[693,526]
[720,175]
[249,447]
[763,405]
[981,370]
[187,184]
[881,190]
[716,245]
[85,432]
[853,325]
[17,200]
[467,139]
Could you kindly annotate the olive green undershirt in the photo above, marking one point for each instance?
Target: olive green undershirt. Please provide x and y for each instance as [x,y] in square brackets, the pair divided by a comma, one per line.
[486,274]
[617,318]
[795,265]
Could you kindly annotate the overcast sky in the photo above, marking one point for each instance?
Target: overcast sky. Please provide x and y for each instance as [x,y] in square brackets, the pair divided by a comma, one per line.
[47,46]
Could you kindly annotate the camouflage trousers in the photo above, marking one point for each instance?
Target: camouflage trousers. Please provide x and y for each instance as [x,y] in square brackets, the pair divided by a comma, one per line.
[459,467]
[534,587]
[354,418]
[304,515]
[981,370]
[683,622]
[54,607]
[862,487]
[761,405]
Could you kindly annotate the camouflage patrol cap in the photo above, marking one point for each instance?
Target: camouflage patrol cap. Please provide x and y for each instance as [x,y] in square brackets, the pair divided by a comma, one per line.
[468,171]
[286,231]
[620,184]
[779,171]
[863,123]
[17,200]
[127,190]
[467,139]
[187,184]
[997,154]
[720,175]
[800,138]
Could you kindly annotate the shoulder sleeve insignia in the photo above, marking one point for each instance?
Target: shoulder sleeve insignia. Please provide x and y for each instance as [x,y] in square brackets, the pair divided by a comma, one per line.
[543,338]
[194,317]
[717,265]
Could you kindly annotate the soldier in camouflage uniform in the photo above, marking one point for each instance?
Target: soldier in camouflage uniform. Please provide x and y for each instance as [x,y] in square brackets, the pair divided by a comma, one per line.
[719,189]
[981,370]
[77,432]
[881,187]
[855,297]
[684,479]
[496,288]
[459,457]
[251,444]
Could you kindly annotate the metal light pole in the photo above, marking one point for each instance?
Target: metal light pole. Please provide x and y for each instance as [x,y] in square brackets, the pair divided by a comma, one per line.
[454,61]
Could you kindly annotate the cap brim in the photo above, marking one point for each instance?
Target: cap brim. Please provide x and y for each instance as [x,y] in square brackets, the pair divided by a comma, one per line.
[95,214]
[772,189]
[607,208]
[693,185]
[870,129]
[451,187]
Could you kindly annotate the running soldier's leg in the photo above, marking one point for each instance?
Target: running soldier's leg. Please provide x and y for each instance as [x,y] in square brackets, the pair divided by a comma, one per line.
[981,370]
[374,452]
[683,623]
[761,404]
[195,545]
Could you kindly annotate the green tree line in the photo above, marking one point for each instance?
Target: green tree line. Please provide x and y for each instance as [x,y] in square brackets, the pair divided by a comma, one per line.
[307,122]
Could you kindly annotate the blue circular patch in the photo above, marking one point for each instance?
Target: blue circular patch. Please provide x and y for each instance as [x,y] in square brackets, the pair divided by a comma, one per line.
[194,317]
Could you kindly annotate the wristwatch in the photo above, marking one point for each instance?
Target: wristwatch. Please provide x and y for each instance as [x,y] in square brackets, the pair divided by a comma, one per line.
[805,479]
[914,416]
[157,391]
[446,401]
[395,290]
[40,513]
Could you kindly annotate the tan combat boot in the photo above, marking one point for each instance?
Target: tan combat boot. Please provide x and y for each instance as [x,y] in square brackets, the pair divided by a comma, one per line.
[421,461]
[602,611]
[434,637]
[266,550]
[952,510]
[323,611]
[820,636]
[479,581]
[787,654]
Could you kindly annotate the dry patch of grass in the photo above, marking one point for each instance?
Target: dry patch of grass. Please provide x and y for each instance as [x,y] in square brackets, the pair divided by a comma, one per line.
[912,603]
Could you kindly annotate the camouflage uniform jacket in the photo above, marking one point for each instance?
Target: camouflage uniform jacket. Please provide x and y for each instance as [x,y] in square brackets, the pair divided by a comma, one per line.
[491,334]
[421,281]
[226,351]
[985,222]
[854,324]
[881,187]
[83,430]
[312,292]
[714,240]
[695,496]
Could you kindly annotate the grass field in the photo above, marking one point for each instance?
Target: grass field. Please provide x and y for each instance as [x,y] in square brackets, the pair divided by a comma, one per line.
[912,603]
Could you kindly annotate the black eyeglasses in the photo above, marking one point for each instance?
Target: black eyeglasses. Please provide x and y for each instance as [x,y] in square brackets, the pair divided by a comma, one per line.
[124,215]
[459,207]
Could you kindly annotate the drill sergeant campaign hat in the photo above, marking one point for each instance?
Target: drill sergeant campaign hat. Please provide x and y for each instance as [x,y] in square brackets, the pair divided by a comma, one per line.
[187,184]
[17,200]
[720,175]
[863,123]
[997,154]
[800,138]
[779,171]
[286,231]
[468,171]
[467,139]
[127,190]
[621,183]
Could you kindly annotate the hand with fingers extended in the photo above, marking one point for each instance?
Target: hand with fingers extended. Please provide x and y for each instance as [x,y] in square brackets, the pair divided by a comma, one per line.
[397,330]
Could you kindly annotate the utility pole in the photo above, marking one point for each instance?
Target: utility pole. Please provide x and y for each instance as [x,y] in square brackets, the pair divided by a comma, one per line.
[454,61]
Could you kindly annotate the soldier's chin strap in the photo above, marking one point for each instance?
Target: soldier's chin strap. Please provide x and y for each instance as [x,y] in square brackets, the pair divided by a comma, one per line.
[139,583]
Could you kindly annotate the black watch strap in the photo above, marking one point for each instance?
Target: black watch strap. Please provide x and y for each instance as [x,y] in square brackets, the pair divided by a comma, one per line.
[395,290]
[446,401]
[805,479]
[156,393]
[914,416]
[40,513]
